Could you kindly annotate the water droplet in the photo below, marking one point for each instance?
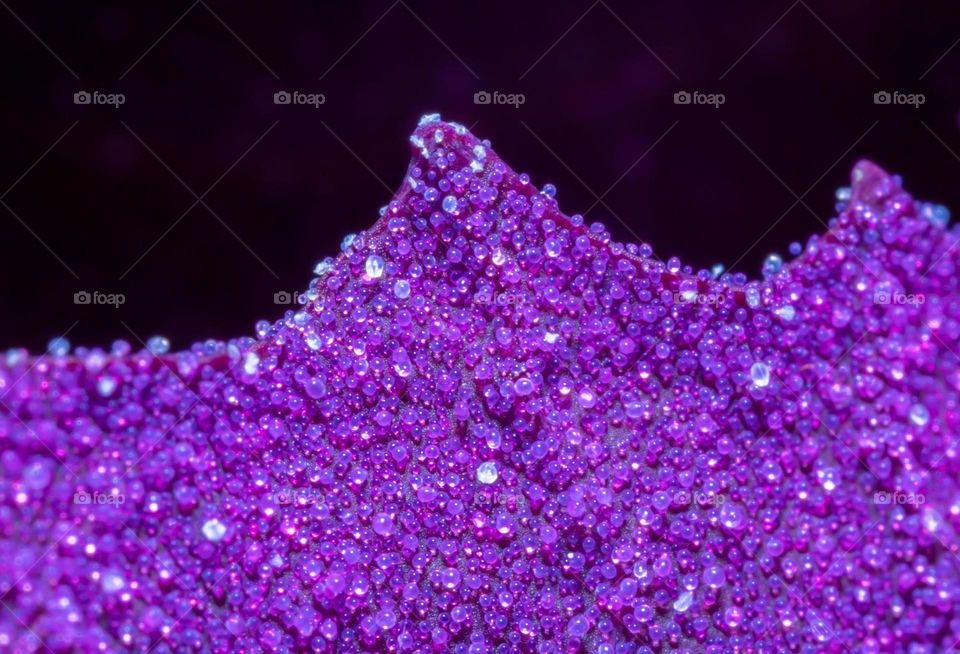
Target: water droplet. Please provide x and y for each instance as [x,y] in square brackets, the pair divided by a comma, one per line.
[523,386]
[578,626]
[214,530]
[250,363]
[760,374]
[323,267]
[787,312]
[487,472]
[772,264]
[449,204]
[106,386]
[374,266]
[401,289]
[112,582]
[158,345]
[59,347]
[919,415]
[683,602]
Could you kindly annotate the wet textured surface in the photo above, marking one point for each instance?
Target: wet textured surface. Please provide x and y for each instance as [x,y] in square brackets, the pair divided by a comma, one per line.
[491,429]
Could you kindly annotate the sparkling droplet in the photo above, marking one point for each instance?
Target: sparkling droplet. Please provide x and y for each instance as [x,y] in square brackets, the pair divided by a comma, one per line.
[760,374]
[112,582]
[401,289]
[449,204]
[323,267]
[158,345]
[374,266]
[578,626]
[787,312]
[214,530]
[487,472]
[106,385]
[250,363]
[683,602]
[523,386]
[383,524]
[919,415]
[59,347]
[772,264]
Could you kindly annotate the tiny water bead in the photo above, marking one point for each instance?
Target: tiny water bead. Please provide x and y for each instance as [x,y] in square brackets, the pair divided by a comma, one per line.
[787,312]
[772,264]
[106,386]
[214,530]
[158,345]
[919,415]
[683,602]
[489,427]
[523,386]
[374,266]
[578,626]
[401,289]
[383,524]
[449,204]
[487,472]
[58,347]
[323,267]
[760,374]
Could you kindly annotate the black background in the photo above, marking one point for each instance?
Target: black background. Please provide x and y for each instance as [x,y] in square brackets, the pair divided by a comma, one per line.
[199,81]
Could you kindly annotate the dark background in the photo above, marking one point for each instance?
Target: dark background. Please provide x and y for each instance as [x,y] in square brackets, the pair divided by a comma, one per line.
[199,81]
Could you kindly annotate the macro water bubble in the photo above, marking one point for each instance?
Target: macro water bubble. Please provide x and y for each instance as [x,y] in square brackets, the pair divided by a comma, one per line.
[760,374]
[487,472]
[374,266]
[401,289]
[214,530]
